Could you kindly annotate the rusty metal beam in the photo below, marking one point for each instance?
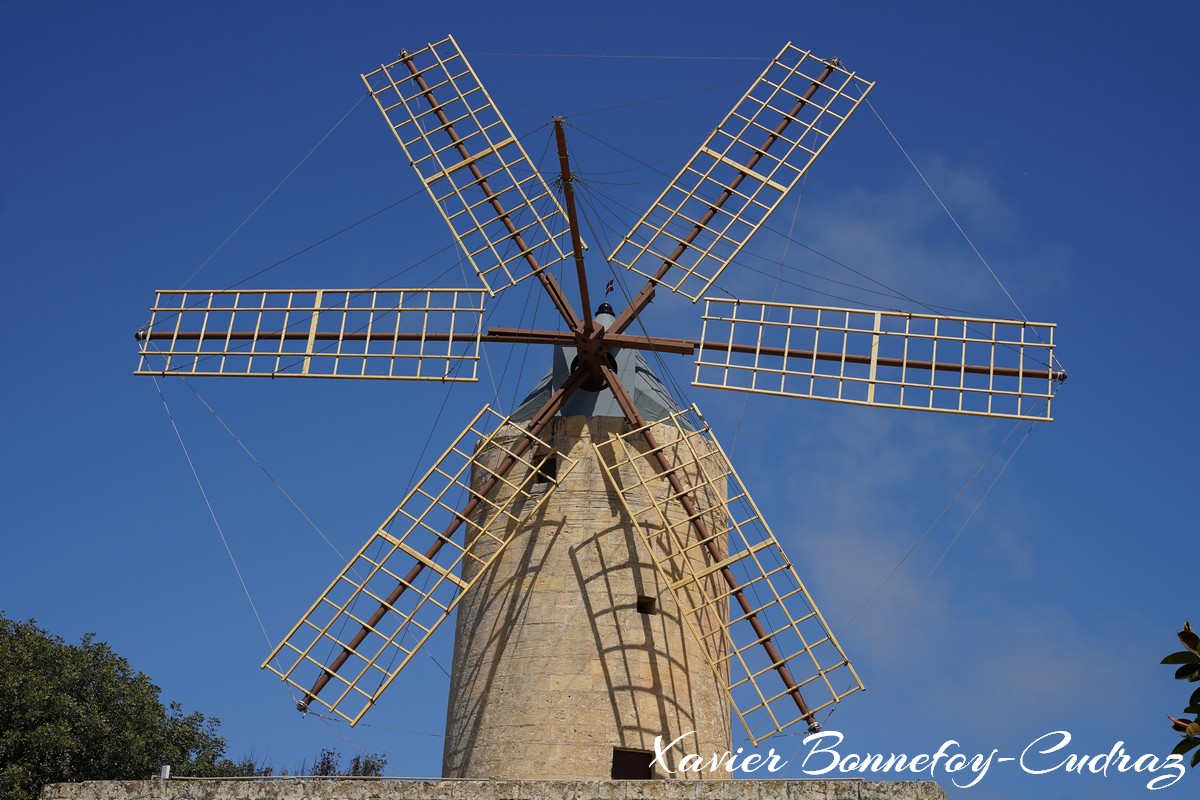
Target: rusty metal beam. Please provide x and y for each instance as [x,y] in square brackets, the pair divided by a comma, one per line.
[618,341]
[662,344]
[568,188]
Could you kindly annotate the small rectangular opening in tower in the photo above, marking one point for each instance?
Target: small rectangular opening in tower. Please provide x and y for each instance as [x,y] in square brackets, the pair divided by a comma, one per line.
[632,765]
[647,605]
[548,471]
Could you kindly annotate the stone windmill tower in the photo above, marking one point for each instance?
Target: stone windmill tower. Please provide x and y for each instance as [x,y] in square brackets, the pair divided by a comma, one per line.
[572,654]
[613,579]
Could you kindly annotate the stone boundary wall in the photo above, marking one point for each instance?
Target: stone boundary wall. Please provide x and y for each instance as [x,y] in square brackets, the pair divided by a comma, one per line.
[393,789]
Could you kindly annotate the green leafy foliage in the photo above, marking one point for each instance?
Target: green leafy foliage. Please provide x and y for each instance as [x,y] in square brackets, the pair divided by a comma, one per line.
[328,763]
[81,712]
[1189,670]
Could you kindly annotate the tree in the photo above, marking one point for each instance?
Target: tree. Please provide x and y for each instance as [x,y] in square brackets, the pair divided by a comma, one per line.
[328,763]
[1188,660]
[81,712]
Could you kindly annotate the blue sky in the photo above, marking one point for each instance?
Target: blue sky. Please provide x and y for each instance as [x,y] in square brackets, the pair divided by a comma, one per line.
[138,136]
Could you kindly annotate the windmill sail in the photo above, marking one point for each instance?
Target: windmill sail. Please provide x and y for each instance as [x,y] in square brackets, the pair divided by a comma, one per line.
[396,334]
[775,632]
[954,365]
[740,174]
[392,596]
[509,223]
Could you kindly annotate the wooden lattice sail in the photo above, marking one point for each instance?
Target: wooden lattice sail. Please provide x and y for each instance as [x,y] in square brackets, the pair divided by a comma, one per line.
[390,334]
[741,173]
[405,580]
[479,177]
[724,536]
[924,362]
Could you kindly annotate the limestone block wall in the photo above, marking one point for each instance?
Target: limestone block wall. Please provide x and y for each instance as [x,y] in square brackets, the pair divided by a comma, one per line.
[494,790]
[554,666]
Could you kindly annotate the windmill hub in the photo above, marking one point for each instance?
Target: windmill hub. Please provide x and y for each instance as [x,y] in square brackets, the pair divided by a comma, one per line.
[592,350]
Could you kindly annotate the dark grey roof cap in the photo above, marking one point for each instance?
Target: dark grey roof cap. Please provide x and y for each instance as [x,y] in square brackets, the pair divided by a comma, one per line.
[650,395]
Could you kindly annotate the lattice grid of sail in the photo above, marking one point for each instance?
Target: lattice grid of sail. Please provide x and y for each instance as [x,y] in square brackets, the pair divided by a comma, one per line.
[398,334]
[742,171]
[740,565]
[499,209]
[956,365]
[397,590]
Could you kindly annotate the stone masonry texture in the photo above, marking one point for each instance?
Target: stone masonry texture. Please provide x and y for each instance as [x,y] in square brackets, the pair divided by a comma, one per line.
[554,667]
[293,789]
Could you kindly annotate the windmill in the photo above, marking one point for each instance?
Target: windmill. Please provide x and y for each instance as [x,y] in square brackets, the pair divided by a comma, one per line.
[613,578]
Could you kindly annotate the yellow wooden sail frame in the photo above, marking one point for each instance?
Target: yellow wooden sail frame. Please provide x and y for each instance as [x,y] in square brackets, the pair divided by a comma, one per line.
[500,210]
[742,171]
[752,555]
[366,584]
[926,362]
[377,334]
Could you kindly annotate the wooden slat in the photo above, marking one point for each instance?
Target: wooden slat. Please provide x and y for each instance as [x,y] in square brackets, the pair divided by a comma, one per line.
[375,334]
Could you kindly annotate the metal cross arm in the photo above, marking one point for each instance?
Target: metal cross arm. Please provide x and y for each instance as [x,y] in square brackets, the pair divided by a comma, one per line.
[604,338]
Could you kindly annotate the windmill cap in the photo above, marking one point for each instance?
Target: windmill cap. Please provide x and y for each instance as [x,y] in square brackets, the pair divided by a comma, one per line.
[650,395]
[605,308]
